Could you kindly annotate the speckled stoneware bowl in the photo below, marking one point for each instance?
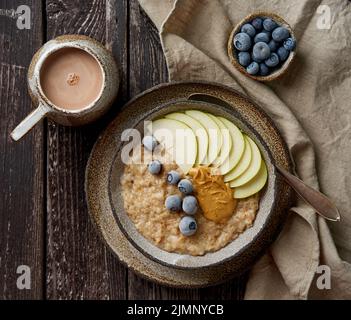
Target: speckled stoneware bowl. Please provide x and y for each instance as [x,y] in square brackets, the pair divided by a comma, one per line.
[102,184]
[232,52]
[44,107]
[233,249]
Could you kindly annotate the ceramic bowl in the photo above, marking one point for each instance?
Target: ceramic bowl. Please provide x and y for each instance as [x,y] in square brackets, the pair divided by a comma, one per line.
[232,52]
[103,156]
[238,248]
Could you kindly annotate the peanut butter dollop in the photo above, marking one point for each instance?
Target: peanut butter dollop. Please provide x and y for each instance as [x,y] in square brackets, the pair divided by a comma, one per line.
[214,196]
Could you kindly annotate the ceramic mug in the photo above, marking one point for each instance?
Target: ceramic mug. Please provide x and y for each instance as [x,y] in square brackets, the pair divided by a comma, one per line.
[75,117]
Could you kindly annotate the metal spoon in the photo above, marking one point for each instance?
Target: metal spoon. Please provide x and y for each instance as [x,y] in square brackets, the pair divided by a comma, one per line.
[317,200]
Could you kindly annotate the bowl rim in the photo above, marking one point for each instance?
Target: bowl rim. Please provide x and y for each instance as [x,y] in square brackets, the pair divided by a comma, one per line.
[232,51]
[286,202]
[254,238]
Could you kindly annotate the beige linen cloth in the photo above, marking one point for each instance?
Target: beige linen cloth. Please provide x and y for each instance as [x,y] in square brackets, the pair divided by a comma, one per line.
[314,95]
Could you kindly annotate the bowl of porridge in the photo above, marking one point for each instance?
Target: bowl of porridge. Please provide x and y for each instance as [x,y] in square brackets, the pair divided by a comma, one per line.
[193,185]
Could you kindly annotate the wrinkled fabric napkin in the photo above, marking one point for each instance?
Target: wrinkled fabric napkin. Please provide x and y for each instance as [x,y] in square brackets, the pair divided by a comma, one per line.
[311,107]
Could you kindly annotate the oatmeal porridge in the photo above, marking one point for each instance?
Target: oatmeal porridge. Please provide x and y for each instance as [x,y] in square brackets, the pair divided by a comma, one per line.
[144,197]
[193,184]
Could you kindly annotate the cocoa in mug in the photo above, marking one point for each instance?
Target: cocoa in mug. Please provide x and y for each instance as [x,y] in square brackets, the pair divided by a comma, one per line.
[73,80]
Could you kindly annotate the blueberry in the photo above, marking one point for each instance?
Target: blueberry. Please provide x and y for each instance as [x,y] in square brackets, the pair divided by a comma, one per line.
[185,186]
[149,143]
[187,226]
[269,24]
[269,33]
[273,60]
[280,34]
[289,44]
[249,29]
[264,70]
[244,58]
[261,51]
[190,205]
[242,41]
[173,203]
[173,177]
[261,37]
[273,45]
[257,23]
[283,53]
[253,58]
[253,68]
[154,167]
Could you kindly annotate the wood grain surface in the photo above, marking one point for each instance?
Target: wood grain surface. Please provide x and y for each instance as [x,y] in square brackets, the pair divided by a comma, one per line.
[43,216]
[22,178]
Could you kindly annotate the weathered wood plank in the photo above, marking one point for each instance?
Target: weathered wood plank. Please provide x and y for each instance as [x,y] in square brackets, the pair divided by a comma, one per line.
[231,290]
[79,266]
[21,163]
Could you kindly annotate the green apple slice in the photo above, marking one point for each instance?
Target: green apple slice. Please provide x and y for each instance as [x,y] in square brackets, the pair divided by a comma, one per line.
[237,150]
[242,165]
[198,129]
[227,142]
[215,138]
[178,140]
[253,168]
[254,185]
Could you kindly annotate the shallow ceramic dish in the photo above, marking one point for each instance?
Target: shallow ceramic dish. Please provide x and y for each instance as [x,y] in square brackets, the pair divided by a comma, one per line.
[233,55]
[102,184]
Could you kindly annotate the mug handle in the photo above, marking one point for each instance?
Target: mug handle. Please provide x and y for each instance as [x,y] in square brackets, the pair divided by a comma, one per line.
[29,122]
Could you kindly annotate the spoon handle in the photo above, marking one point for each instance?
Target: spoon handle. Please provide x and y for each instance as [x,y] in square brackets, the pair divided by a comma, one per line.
[314,198]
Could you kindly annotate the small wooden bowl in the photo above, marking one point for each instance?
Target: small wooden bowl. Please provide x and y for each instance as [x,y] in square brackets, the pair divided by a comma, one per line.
[232,51]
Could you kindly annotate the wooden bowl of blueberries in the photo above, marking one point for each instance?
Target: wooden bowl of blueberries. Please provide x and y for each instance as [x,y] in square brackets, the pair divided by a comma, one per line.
[262,46]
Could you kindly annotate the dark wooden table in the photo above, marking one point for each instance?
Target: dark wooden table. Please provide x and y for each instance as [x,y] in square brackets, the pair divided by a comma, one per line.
[43,216]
